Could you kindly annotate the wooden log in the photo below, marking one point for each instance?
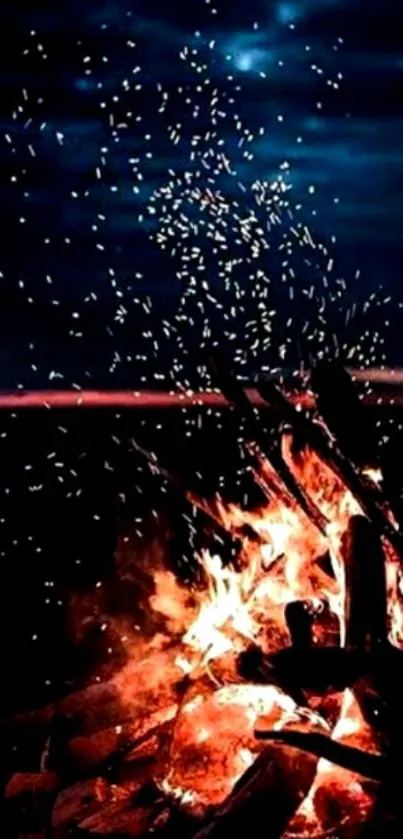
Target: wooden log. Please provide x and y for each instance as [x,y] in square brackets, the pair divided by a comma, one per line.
[27,802]
[33,783]
[265,798]
[299,622]
[80,801]
[320,668]
[126,821]
[80,706]
[338,403]
[365,607]
[138,738]
[138,694]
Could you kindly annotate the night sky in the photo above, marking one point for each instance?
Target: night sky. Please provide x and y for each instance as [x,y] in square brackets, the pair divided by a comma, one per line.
[121,151]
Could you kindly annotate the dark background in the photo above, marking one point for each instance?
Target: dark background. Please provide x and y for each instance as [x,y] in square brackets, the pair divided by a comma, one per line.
[84,287]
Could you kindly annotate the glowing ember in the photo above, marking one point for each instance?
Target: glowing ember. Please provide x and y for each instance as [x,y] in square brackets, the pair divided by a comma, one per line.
[338,796]
[213,742]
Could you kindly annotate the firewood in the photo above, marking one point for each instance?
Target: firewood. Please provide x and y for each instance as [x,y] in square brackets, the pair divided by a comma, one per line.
[130,738]
[365,606]
[37,783]
[320,668]
[131,822]
[299,622]
[27,802]
[327,706]
[79,802]
[140,692]
[265,798]
[77,705]
[344,413]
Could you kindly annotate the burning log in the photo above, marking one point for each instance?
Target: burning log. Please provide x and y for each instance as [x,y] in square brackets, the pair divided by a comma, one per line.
[35,783]
[133,741]
[79,802]
[148,749]
[365,587]
[28,801]
[213,741]
[277,481]
[265,798]
[146,691]
[118,819]
[339,798]
[83,706]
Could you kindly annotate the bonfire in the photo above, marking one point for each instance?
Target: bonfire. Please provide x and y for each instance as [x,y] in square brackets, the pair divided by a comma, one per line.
[268,702]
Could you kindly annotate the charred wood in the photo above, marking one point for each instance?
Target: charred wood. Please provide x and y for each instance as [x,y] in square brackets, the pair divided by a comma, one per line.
[124,820]
[27,802]
[299,621]
[33,783]
[338,403]
[365,607]
[321,668]
[79,802]
[264,800]
[132,741]
[115,702]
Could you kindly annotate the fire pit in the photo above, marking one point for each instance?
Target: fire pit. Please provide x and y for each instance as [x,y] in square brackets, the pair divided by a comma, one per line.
[268,700]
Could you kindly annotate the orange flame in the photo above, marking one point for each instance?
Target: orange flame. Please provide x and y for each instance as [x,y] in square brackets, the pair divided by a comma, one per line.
[285,559]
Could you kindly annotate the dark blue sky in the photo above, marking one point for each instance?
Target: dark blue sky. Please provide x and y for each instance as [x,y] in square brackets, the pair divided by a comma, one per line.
[104,105]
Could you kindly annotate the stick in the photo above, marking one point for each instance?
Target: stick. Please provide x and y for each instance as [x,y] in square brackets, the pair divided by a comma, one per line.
[265,798]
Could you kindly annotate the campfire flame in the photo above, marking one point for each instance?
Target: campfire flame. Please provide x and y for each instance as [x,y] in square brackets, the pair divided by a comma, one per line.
[284,558]
[236,604]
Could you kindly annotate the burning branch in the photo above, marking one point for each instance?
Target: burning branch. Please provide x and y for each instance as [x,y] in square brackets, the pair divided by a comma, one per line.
[273,466]
[368,495]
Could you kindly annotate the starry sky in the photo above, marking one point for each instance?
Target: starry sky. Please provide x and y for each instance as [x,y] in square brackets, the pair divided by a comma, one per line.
[125,124]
